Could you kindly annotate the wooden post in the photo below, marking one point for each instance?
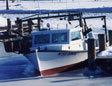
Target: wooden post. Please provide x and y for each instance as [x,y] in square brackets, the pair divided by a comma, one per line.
[30,27]
[110,37]
[9,26]
[39,23]
[7,5]
[91,54]
[105,26]
[102,42]
[80,20]
[20,25]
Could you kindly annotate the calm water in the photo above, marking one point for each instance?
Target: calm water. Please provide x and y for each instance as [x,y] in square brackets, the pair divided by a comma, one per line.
[14,66]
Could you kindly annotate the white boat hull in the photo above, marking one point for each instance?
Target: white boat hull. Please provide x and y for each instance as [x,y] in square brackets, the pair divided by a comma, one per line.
[55,62]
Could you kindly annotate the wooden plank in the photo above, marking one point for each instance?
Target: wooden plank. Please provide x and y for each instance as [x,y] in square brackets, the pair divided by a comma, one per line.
[14,27]
[7,36]
[103,57]
[44,16]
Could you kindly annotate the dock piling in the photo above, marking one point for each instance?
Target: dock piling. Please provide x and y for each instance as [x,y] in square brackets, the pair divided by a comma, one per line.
[39,21]
[30,25]
[20,25]
[9,26]
[110,37]
[91,54]
[102,42]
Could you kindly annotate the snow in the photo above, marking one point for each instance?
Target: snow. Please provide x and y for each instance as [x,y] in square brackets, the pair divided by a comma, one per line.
[3,21]
[107,52]
[54,5]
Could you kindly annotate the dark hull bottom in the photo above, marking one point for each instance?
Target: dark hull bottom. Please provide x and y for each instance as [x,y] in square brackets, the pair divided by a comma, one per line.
[63,69]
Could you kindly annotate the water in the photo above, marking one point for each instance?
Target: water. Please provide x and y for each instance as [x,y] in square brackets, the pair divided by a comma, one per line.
[14,66]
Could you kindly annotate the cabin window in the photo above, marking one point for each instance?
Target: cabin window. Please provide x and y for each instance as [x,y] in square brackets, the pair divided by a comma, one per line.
[42,39]
[59,37]
[75,35]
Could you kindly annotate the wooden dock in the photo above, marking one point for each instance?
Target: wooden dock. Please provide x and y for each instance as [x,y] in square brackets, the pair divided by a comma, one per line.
[104,57]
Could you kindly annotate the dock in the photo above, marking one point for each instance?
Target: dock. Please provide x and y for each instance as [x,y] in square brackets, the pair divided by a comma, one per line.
[104,57]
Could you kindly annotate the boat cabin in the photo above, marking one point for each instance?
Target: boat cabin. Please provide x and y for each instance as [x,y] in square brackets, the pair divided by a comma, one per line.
[62,39]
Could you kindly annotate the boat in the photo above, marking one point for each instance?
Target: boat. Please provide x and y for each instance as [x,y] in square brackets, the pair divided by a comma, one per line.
[54,51]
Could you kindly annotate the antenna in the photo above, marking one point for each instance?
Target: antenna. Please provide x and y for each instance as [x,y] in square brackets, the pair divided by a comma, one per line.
[39,7]
[66,16]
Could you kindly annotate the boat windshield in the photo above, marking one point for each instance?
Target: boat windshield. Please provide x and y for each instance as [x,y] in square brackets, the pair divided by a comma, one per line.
[42,39]
[59,37]
[75,35]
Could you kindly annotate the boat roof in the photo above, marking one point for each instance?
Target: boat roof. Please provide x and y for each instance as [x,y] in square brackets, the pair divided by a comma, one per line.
[56,30]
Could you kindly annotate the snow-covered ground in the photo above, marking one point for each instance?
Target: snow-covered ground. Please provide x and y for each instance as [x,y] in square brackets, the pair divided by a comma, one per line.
[36,6]
[56,4]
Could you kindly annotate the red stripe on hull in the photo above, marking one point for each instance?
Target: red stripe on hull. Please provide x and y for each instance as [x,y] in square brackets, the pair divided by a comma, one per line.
[59,69]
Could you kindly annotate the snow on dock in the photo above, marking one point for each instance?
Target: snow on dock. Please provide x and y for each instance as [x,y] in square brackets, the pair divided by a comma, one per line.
[106,54]
[3,22]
